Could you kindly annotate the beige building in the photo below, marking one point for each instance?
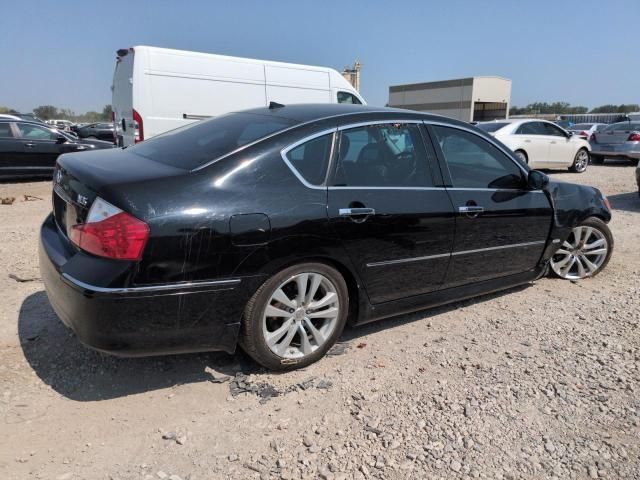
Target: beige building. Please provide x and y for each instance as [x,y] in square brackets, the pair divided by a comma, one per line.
[467,99]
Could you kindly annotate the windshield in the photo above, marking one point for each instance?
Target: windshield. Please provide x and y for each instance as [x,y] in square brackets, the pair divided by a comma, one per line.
[491,126]
[195,144]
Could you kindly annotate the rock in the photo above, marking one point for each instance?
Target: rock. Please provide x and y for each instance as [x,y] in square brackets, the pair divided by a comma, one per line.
[65,476]
[549,446]
[455,465]
[175,477]
[161,475]
[307,440]
[314,448]
[233,457]
[593,472]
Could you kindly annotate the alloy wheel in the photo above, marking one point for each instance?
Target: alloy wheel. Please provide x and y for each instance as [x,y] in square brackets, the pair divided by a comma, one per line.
[301,315]
[581,161]
[581,255]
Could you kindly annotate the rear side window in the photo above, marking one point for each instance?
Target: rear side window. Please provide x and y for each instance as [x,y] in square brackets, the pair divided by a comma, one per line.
[194,145]
[491,127]
[5,130]
[531,128]
[385,155]
[311,158]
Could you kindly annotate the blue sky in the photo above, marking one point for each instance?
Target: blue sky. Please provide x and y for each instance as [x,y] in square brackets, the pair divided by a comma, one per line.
[585,52]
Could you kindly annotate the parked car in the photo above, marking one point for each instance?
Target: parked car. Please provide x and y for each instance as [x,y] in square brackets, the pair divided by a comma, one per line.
[638,177]
[274,227]
[586,130]
[566,124]
[618,140]
[101,131]
[189,86]
[541,144]
[61,124]
[31,149]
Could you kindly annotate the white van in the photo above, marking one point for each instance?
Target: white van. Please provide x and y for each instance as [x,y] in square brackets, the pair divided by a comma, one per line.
[157,89]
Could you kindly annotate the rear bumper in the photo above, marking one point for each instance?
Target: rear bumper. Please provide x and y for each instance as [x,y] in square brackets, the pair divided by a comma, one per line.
[631,151]
[138,320]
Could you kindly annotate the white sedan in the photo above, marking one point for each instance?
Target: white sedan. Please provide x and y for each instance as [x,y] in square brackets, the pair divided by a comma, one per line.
[541,144]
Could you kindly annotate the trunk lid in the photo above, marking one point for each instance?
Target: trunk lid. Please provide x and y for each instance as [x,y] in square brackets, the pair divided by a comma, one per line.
[79,178]
[614,135]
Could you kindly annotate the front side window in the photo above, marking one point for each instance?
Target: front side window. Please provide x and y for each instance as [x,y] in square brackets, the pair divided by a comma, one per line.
[34,132]
[384,155]
[553,130]
[311,158]
[475,163]
[346,97]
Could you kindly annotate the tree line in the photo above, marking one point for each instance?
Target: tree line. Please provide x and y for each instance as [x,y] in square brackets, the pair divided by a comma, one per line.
[48,112]
[567,108]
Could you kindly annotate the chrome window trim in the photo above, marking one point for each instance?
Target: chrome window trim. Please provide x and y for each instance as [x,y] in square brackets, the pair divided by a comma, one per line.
[378,122]
[494,189]
[489,140]
[294,170]
[339,187]
[150,288]
[293,127]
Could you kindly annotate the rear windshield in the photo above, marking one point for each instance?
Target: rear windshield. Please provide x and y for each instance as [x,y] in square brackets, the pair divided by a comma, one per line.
[195,144]
[581,126]
[491,127]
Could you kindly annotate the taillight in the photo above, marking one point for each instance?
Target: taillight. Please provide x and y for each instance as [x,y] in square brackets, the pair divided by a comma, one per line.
[140,130]
[634,137]
[115,130]
[584,134]
[110,232]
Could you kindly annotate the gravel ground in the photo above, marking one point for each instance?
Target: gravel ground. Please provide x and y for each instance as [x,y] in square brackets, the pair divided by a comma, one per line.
[537,382]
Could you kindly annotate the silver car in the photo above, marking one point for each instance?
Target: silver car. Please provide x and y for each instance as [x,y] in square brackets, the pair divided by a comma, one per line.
[585,130]
[618,140]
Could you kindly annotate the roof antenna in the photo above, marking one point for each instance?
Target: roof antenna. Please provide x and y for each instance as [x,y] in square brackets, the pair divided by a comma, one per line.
[273,105]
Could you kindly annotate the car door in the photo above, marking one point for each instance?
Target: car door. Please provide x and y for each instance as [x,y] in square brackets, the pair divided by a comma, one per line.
[562,149]
[501,226]
[390,211]
[532,137]
[10,150]
[40,147]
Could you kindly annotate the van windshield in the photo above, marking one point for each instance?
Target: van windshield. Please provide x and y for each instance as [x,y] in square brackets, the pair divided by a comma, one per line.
[195,144]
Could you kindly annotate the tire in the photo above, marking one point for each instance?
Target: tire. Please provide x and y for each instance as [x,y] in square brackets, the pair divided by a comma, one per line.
[522,155]
[597,159]
[592,231]
[321,332]
[635,161]
[580,161]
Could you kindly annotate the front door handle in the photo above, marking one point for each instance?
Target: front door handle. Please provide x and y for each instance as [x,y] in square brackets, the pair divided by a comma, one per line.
[553,142]
[527,141]
[29,145]
[356,212]
[471,211]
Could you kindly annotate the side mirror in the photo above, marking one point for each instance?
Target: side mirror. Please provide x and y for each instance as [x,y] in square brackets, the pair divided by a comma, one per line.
[569,134]
[537,180]
[60,139]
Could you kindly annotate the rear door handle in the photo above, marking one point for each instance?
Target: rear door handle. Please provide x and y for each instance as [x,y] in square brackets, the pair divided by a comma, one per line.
[553,142]
[527,141]
[29,145]
[353,212]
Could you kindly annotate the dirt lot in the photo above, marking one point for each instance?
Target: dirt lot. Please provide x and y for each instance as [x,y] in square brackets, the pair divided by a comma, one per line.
[536,382]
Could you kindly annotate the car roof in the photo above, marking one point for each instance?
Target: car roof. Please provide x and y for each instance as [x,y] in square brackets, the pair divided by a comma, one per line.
[22,120]
[309,112]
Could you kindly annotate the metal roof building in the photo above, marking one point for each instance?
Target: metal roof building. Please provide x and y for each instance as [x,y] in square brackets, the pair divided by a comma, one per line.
[467,99]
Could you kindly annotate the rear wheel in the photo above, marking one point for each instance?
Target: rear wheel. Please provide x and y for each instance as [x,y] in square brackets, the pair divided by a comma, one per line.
[580,161]
[295,317]
[585,252]
[522,156]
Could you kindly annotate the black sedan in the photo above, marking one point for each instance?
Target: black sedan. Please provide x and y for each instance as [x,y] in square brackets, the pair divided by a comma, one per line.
[272,228]
[101,131]
[31,148]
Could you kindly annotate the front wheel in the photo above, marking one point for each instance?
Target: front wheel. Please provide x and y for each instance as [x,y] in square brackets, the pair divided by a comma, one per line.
[585,252]
[295,317]
[580,161]
[522,156]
